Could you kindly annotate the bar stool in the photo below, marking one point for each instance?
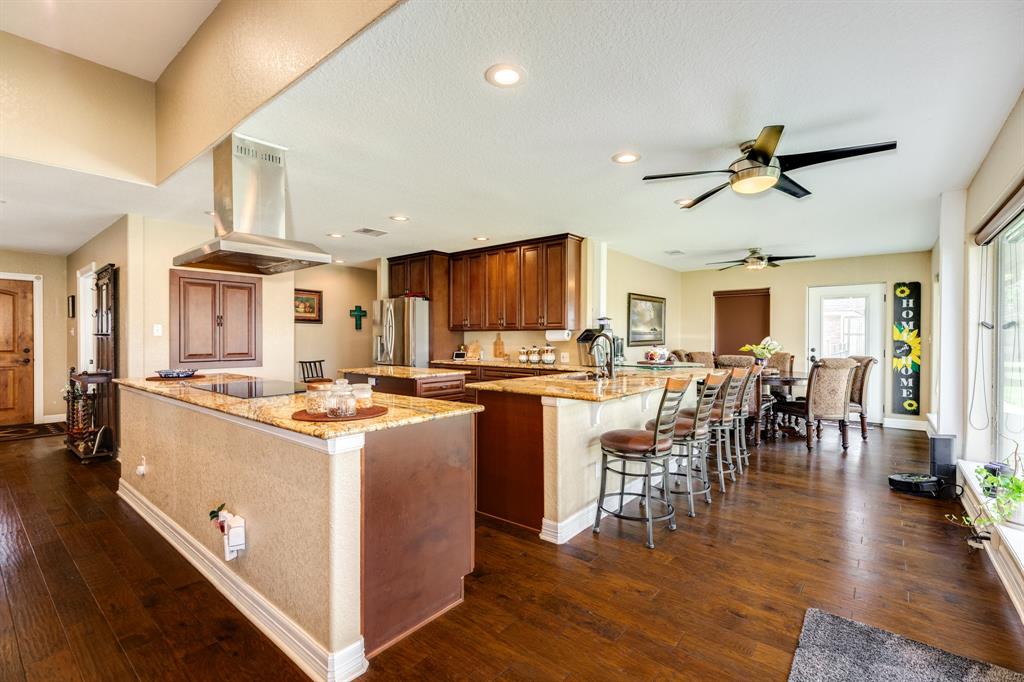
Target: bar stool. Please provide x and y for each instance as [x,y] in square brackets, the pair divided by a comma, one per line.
[721,423]
[650,448]
[693,436]
[742,414]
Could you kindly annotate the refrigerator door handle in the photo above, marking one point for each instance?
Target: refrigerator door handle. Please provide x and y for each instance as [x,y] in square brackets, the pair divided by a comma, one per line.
[389,331]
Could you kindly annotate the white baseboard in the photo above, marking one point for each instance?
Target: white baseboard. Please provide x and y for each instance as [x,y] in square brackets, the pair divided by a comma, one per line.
[909,424]
[320,664]
[51,418]
[560,532]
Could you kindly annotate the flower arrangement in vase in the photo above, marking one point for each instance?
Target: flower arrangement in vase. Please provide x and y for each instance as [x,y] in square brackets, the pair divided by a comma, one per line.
[763,350]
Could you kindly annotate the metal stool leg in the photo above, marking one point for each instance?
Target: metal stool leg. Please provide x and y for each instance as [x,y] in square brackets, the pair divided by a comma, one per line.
[665,494]
[689,479]
[622,487]
[647,499]
[719,460]
[735,433]
[600,497]
[704,449]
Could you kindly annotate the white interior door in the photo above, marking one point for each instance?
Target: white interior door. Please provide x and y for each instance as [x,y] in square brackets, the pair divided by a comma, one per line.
[849,320]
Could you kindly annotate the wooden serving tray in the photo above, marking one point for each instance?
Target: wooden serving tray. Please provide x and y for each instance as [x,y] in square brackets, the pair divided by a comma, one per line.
[194,376]
[361,413]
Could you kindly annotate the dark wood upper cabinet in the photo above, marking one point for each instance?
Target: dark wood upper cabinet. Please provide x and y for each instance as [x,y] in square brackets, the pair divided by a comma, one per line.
[458,273]
[476,293]
[430,274]
[532,287]
[502,288]
[398,277]
[409,275]
[215,320]
[550,284]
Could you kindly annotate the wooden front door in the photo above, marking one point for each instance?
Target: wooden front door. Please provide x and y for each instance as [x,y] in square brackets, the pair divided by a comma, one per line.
[16,352]
[741,316]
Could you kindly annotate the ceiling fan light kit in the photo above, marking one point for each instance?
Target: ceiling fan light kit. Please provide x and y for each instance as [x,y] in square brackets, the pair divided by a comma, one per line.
[759,170]
[755,260]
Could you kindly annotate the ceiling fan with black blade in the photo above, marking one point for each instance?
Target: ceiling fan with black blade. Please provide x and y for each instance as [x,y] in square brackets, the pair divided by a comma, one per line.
[759,169]
[755,260]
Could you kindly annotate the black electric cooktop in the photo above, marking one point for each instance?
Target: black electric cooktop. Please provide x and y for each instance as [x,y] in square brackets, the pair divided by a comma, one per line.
[253,388]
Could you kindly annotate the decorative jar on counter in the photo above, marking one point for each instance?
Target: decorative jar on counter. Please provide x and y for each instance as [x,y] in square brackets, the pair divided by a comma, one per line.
[341,402]
[316,398]
[534,355]
[524,356]
[548,355]
[363,394]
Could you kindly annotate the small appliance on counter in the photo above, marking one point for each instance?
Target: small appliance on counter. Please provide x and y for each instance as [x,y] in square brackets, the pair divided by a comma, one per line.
[401,331]
[587,336]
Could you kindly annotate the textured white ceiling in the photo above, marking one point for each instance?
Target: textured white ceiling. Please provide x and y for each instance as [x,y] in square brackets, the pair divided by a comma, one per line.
[401,121]
[139,37]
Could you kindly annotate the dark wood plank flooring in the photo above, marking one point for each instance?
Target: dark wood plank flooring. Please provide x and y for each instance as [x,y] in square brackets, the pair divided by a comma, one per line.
[89,592]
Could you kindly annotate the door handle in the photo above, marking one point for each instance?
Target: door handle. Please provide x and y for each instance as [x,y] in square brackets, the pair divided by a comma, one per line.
[25,361]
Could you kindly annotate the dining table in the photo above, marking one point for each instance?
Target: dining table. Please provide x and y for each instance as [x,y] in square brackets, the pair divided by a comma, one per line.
[784,380]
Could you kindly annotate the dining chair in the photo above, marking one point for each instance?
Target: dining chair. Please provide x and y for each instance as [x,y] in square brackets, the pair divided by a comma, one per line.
[828,398]
[679,354]
[703,358]
[731,361]
[859,390]
[311,369]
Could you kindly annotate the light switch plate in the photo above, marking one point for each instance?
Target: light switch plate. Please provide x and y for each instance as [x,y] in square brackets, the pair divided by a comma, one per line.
[372,381]
[158,330]
[563,358]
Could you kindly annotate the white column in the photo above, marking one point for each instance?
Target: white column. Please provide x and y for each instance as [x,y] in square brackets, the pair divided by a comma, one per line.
[595,293]
[948,327]
[382,278]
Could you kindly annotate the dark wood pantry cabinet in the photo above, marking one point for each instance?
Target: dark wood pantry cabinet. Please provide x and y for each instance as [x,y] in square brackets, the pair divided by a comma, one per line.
[216,320]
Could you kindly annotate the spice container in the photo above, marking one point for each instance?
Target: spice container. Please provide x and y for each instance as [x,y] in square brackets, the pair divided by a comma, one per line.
[524,356]
[340,401]
[534,355]
[316,398]
[363,395]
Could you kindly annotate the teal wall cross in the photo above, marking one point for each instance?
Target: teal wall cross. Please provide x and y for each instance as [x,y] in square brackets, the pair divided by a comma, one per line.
[358,314]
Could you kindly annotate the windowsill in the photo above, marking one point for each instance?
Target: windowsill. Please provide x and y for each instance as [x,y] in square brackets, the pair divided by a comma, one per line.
[1006,548]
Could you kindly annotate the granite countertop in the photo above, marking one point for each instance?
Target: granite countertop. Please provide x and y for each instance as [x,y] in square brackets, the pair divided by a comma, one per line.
[626,383]
[514,364]
[400,372]
[277,411]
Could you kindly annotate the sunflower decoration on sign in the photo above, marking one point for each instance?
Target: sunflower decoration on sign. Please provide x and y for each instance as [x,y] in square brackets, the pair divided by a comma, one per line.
[906,352]
[903,291]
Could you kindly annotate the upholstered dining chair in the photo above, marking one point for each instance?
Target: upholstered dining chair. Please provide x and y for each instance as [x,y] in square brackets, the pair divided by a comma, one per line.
[783,362]
[734,361]
[679,354]
[703,358]
[828,397]
[859,390]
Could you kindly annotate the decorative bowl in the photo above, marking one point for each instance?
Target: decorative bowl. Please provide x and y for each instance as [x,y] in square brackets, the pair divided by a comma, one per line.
[175,373]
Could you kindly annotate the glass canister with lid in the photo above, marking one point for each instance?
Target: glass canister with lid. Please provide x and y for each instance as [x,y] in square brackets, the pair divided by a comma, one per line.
[341,402]
[363,394]
[316,398]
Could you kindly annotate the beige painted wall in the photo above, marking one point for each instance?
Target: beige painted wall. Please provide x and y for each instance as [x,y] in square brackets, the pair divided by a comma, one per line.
[245,53]
[161,241]
[64,111]
[109,246]
[626,275]
[789,285]
[336,341]
[1000,174]
[51,353]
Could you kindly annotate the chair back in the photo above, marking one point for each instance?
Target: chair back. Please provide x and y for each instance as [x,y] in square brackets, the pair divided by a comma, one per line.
[311,369]
[703,358]
[747,392]
[730,361]
[679,354]
[707,395]
[859,388]
[828,388]
[781,361]
[668,411]
[732,392]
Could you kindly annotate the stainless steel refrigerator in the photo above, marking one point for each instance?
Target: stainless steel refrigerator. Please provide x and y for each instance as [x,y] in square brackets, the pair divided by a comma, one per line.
[401,332]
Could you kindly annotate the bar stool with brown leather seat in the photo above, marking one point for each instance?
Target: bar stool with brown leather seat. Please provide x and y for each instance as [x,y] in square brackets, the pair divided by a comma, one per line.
[649,448]
[721,423]
[741,415]
[692,438]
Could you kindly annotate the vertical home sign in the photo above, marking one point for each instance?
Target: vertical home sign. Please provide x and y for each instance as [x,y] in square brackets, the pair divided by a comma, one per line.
[906,348]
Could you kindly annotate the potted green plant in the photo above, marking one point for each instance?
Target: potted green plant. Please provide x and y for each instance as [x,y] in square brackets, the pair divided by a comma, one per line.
[1003,489]
[763,350]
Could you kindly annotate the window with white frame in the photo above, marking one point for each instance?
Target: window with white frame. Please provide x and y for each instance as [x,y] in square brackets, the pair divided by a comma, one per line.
[1009,291]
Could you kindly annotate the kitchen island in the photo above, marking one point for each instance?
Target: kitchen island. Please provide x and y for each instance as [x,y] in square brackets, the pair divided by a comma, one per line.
[353,538]
[539,453]
[423,382]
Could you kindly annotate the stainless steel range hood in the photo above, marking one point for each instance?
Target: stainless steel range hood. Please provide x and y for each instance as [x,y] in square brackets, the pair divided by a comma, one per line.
[250,207]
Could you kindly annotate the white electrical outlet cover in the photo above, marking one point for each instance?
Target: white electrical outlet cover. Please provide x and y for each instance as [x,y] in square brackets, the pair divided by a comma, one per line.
[158,330]
[563,358]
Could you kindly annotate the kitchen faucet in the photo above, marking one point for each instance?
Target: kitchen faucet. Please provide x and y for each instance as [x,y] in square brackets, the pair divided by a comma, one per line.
[606,363]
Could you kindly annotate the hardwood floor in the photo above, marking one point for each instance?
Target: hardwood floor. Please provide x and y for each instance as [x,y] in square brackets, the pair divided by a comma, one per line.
[89,592]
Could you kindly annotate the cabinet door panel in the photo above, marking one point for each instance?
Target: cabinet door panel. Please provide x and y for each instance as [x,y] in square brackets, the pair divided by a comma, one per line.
[531,287]
[510,286]
[457,292]
[494,302]
[238,321]
[397,278]
[417,275]
[554,286]
[476,283]
[198,322]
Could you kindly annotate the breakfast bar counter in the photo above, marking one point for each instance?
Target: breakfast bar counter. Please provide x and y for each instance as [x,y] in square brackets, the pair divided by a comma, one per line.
[356,532]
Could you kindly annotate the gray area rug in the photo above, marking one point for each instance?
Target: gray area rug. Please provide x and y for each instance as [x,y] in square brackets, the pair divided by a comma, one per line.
[835,649]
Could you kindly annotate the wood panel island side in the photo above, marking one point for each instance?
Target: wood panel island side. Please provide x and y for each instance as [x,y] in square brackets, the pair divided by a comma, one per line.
[356,532]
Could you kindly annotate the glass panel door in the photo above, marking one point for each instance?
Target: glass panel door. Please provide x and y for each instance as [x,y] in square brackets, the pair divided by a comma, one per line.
[1010,340]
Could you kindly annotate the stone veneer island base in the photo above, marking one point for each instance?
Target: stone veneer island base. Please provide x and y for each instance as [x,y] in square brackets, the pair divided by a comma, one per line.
[357,533]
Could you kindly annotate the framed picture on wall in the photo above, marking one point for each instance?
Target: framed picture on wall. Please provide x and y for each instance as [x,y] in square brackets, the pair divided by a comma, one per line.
[309,306]
[646,320]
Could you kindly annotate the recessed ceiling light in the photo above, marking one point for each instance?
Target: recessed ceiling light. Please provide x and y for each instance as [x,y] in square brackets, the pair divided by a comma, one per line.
[399,218]
[504,75]
[211,213]
[338,260]
[480,239]
[626,157]
[335,235]
[684,203]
